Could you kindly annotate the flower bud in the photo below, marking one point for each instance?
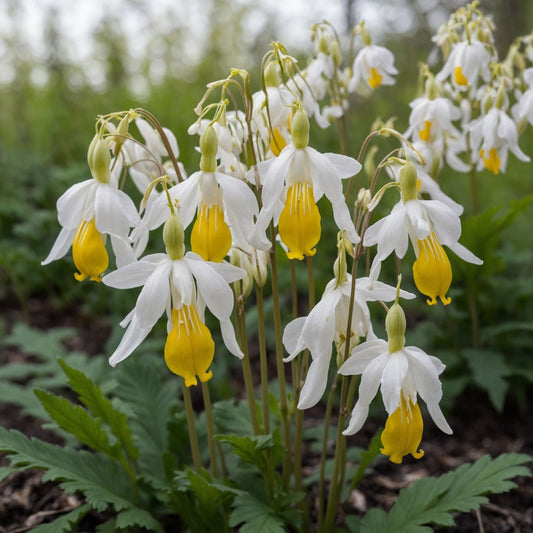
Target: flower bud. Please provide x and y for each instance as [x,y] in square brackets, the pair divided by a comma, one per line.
[208,148]
[395,324]
[408,182]
[323,45]
[173,236]
[300,129]
[242,287]
[100,161]
[272,74]
[259,267]
[363,199]
[336,53]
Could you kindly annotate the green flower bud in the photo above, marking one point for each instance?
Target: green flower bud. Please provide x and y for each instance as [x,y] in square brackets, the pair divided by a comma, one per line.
[365,35]
[100,161]
[90,150]
[208,148]
[408,182]
[272,74]
[300,129]
[242,287]
[395,324]
[336,53]
[323,44]
[174,237]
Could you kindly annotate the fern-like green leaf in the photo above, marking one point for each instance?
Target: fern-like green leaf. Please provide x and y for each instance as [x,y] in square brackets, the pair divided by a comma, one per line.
[93,398]
[77,421]
[254,515]
[137,517]
[431,500]
[151,404]
[64,524]
[102,480]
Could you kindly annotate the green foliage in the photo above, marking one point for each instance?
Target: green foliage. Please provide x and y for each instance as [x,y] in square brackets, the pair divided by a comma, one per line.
[431,500]
[65,523]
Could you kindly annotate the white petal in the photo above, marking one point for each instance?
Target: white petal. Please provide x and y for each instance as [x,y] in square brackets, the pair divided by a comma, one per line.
[132,274]
[71,203]
[228,336]
[345,167]
[315,383]
[134,335]
[154,295]
[362,356]
[292,337]
[123,251]
[61,245]
[391,381]
[359,415]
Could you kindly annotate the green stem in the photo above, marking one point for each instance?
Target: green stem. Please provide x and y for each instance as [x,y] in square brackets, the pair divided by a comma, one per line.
[210,429]
[247,369]
[191,425]
[283,404]
[263,358]
[473,188]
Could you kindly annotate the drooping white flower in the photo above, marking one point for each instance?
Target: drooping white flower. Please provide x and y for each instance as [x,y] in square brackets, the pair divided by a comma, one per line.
[401,375]
[88,212]
[327,323]
[467,61]
[429,224]
[402,372]
[492,136]
[292,184]
[182,287]
[524,107]
[374,65]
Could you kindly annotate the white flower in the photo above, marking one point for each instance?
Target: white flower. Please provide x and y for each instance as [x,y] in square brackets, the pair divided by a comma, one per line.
[524,106]
[430,119]
[374,65]
[492,136]
[292,184]
[429,224]
[327,323]
[465,63]
[403,373]
[226,207]
[182,287]
[87,212]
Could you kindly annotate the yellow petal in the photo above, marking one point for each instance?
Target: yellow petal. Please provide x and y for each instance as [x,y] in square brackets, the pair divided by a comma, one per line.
[403,432]
[375,78]
[299,222]
[88,252]
[425,133]
[277,142]
[189,348]
[459,77]
[432,271]
[211,236]
[492,163]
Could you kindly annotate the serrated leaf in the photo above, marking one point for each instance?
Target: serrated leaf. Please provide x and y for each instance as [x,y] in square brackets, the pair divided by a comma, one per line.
[64,524]
[151,403]
[254,515]
[431,500]
[101,479]
[137,517]
[77,421]
[93,398]
[232,418]
[489,370]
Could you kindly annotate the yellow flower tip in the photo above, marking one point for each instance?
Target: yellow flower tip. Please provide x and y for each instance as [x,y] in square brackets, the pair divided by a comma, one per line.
[189,349]
[459,77]
[432,271]
[277,142]
[425,132]
[211,236]
[299,222]
[403,432]
[375,78]
[88,252]
[493,162]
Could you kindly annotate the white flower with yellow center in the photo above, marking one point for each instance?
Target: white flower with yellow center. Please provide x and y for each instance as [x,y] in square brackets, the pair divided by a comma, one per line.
[327,323]
[492,136]
[429,224]
[402,373]
[430,119]
[225,206]
[292,184]
[467,61]
[182,285]
[88,212]
[374,65]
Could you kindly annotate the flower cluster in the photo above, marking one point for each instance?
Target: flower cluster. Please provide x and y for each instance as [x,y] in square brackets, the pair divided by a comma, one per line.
[258,184]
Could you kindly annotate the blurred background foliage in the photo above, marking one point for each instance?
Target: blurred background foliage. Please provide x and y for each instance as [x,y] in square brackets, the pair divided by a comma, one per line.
[49,100]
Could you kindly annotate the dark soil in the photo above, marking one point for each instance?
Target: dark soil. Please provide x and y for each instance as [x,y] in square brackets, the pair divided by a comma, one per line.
[25,501]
